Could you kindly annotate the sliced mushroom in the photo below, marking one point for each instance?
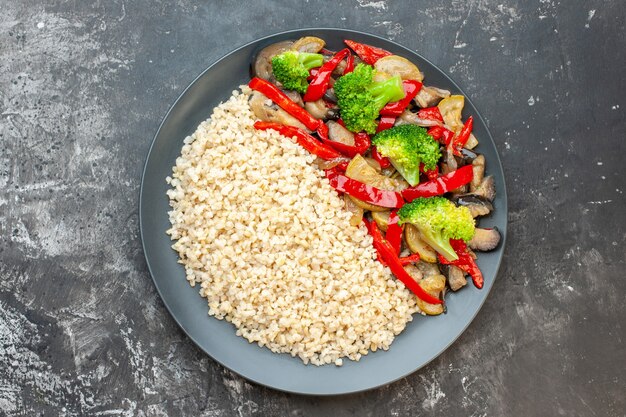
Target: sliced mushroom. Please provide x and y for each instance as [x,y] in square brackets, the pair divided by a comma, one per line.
[338,133]
[430,96]
[397,65]
[382,219]
[360,170]
[330,96]
[416,244]
[485,239]
[357,212]
[486,189]
[451,108]
[428,269]
[310,44]
[433,285]
[262,67]
[320,110]
[264,109]
[478,168]
[408,117]
[456,278]
[478,206]
[294,96]
[468,156]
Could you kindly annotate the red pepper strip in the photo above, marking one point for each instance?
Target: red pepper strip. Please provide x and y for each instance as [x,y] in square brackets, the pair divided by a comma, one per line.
[389,256]
[461,139]
[441,185]
[411,259]
[383,161]
[368,53]
[367,193]
[432,174]
[440,132]
[448,137]
[385,123]
[394,232]
[349,64]
[273,93]
[465,262]
[361,142]
[319,84]
[430,113]
[305,140]
[411,88]
[312,74]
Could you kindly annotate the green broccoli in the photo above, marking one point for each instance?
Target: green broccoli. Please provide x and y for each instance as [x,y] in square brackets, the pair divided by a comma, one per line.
[291,68]
[439,220]
[407,146]
[360,99]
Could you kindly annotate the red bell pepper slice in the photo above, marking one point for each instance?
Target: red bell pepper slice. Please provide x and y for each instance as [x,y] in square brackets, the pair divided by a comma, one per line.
[367,193]
[349,64]
[411,259]
[368,53]
[319,83]
[304,139]
[383,161]
[385,122]
[411,88]
[465,262]
[441,134]
[461,139]
[430,113]
[361,142]
[441,185]
[394,232]
[273,93]
[432,174]
[388,255]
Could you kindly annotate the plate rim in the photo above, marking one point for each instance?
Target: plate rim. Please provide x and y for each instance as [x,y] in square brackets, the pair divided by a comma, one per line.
[302,31]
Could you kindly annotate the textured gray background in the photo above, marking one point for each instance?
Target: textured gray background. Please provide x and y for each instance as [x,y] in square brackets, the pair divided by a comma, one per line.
[83,87]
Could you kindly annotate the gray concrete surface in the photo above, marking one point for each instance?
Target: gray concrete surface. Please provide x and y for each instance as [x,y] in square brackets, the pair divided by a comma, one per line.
[83,87]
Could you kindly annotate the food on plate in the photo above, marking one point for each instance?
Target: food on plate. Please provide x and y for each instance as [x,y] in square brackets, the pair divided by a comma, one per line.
[331,199]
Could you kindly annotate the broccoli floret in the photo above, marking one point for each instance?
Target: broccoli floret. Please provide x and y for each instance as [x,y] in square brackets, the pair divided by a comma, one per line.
[407,146]
[291,68]
[360,99]
[439,220]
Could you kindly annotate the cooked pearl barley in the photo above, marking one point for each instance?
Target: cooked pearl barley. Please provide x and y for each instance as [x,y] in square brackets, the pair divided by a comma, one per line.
[257,225]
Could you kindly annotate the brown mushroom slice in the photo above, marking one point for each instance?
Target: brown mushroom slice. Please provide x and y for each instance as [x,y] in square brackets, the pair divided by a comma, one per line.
[430,96]
[382,219]
[486,189]
[428,269]
[317,109]
[264,109]
[262,67]
[478,206]
[357,212]
[416,244]
[485,239]
[397,65]
[478,168]
[340,134]
[433,285]
[456,278]
[359,169]
[310,44]
[408,117]
[294,96]
[451,108]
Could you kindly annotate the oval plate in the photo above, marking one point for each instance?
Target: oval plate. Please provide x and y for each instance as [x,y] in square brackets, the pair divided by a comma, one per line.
[423,339]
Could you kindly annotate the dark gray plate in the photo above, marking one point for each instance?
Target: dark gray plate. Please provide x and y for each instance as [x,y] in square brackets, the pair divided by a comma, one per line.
[423,340]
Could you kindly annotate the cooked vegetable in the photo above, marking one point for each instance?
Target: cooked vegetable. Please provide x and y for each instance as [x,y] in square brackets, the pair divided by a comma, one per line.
[262,67]
[441,185]
[273,93]
[456,278]
[382,219]
[407,147]
[464,261]
[360,99]
[486,189]
[268,111]
[478,166]
[388,255]
[411,87]
[359,169]
[310,44]
[305,140]
[368,54]
[478,206]
[485,239]
[433,285]
[357,212]
[395,65]
[384,162]
[364,192]
[461,138]
[416,244]
[341,139]
[430,96]
[291,68]
[320,82]
[451,108]
[439,220]
[394,232]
